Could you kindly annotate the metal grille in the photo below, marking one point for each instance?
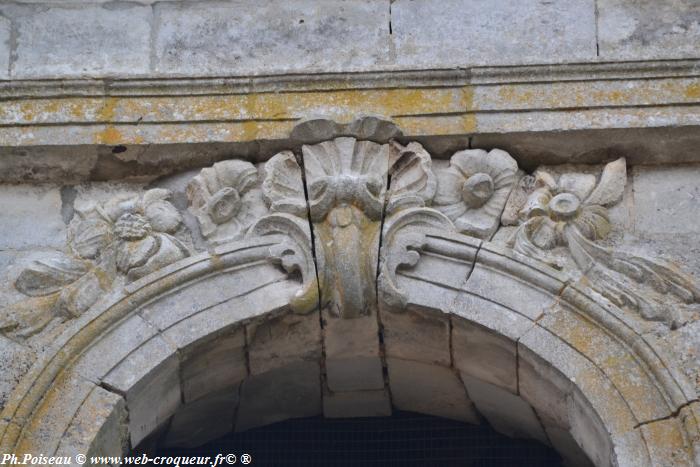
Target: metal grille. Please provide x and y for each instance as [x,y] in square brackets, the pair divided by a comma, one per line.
[402,440]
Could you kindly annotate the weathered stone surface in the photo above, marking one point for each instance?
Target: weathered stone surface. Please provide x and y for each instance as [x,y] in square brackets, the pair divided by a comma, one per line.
[292,391]
[203,420]
[417,335]
[352,364]
[150,382]
[49,427]
[485,355]
[553,378]
[667,199]
[21,207]
[375,403]
[214,366]
[99,428]
[503,289]
[506,412]
[429,389]
[217,296]
[217,38]
[102,358]
[15,360]
[82,41]
[607,354]
[354,373]
[567,447]
[643,30]
[283,340]
[456,32]
[667,443]
[4,48]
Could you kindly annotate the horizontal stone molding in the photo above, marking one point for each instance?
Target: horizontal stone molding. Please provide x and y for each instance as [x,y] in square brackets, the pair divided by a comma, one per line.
[646,111]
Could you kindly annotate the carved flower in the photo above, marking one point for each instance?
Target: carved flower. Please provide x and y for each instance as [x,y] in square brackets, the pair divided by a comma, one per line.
[143,228]
[570,210]
[473,190]
[132,226]
[225,200]
[571,200]
[134,236]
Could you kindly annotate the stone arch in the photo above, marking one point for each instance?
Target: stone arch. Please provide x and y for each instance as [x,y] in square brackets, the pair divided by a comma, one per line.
[282,306]
[548,349]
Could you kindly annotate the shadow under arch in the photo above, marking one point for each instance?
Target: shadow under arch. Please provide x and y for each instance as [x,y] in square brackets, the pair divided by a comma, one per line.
[571,368]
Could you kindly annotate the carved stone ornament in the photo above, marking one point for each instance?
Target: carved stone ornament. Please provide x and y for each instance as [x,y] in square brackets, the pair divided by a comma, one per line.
[346,215]
[571,210]
[473,191]
[128,238]
[225,200]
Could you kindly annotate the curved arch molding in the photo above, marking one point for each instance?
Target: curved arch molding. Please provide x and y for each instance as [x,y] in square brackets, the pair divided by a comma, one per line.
[347,278]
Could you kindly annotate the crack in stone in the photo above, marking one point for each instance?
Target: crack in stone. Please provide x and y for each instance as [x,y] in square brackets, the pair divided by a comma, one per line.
[670,416]
[108,387]
[322,363]
[380,324]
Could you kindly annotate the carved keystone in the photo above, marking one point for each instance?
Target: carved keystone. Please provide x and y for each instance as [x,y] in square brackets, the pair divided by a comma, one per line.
[346,182]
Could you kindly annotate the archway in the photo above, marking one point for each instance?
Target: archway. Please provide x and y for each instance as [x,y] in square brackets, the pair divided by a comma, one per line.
[593,393]
[291,322]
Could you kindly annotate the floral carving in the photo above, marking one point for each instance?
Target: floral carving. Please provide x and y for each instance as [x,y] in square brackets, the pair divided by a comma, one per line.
[574,202]
[473,190]
[226,200]
[129,237]
[571,210]
[328,209]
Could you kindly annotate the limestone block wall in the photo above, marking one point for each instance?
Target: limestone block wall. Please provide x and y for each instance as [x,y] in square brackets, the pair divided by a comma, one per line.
[71,39]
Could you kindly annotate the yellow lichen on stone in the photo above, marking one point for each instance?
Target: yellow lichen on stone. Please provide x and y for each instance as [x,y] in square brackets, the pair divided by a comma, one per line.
[693,91]
[668,444]
[110,135]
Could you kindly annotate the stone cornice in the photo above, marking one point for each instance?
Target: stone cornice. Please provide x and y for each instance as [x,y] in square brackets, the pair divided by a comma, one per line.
[12,89]
[645,111]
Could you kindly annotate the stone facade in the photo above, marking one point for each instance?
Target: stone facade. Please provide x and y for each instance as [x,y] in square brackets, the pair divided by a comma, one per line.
[501,233]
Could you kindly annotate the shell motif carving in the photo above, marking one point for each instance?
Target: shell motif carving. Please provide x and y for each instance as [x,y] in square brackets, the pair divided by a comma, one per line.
[346,196]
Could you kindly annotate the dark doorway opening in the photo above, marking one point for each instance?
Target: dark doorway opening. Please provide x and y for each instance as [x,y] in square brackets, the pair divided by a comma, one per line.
[404,439]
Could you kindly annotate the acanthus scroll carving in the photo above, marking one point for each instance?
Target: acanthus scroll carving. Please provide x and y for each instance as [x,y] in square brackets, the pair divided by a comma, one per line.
[337,208]
[571,210]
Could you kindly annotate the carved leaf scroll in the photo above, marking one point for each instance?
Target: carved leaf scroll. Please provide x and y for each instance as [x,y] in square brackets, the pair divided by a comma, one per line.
[571,210]
[128,236]
[352,188]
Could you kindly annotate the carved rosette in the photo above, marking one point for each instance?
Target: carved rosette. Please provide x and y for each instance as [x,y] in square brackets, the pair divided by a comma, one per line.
[570,210]
[473,190]
[348,214]
[128,237]
[225,199]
